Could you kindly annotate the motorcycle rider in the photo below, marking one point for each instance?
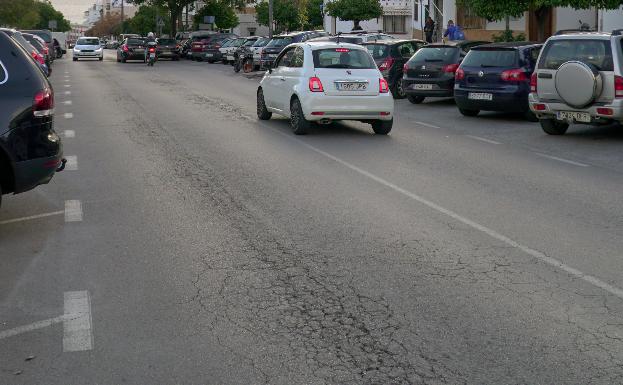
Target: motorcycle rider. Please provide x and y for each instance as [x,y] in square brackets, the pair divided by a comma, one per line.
[150,41]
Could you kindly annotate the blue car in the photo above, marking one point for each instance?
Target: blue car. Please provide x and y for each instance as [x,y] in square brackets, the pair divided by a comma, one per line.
[496,77]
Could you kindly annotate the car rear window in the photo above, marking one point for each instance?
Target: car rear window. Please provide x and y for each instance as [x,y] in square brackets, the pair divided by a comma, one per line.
[136,41]
[343,58]
[491,58]
[595,52]
[167,41]
[248,43]
[88,42]
[261,42]
[378,51]
[436,54]
[280,42]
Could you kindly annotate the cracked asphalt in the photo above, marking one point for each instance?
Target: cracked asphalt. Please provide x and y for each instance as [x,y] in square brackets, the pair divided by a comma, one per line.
[220,250]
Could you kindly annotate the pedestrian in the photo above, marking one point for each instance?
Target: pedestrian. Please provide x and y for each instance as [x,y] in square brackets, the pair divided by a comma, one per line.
[450,31]
[429,29]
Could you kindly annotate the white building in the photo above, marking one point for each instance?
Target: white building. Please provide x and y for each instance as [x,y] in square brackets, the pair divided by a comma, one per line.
[611,20]
[397,20]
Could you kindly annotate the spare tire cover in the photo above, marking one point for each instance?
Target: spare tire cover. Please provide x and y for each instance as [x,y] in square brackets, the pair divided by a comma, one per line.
[578,84]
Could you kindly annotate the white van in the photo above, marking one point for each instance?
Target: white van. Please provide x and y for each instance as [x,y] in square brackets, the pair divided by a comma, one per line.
[61,37]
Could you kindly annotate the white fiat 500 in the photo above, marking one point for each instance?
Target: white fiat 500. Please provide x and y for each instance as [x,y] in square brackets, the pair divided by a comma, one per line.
[324,82]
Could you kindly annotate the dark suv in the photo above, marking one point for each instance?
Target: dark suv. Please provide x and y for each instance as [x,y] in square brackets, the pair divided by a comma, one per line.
[278,43]
[204,43]
[30,150]
[496,77]
[390,56]
[430,72]
[133,48]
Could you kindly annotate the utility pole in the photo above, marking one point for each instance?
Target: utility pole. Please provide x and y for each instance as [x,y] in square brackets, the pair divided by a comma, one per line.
[122,19]
[270,18]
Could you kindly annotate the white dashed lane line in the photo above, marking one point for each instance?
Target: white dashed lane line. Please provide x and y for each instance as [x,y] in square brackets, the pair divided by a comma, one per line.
[68,115]
[72,163]
[77,334]
[67,92]
[73,211]
[67,85]
[483,139]
[427,125]
[67,102]
[562,160]
[69,134]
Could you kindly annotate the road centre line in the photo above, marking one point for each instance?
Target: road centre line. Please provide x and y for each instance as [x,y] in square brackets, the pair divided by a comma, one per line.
[562,160]
[483,139]
[67,85]
[32,217]
[69,134]
[67,102]
[475,225]
[427,125]
[68,115]
[72,163]
[67,92]
[73,211]
[77,335]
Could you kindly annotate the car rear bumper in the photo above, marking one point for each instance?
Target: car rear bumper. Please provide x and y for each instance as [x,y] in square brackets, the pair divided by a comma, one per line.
[440,87]
[168,54]
[380,107]
[502,101]
[32,173]
[553,107]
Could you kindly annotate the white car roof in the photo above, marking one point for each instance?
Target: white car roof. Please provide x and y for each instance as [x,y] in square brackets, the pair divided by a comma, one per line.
[314,45]
[88,37]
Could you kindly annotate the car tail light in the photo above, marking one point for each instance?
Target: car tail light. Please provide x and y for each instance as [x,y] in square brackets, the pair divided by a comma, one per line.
[533,83]
[342,50]
[405,68]
[459,74]
[217,46]
[43,103]
[383,86]
[152,50]
[317,113]
[315,85]
[618,87]
[38,57]
[605,111]
[514,75]
[387,64]
[450,68]
[539,107]
[385,113]
[124,48]
[46,50]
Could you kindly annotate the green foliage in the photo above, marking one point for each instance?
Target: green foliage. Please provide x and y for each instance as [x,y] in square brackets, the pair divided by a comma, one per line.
[223,12]
[31,14]
[508,35]
[46,13]
[144,21]
[355,10]
[285,12]
[174,10]
[314,14]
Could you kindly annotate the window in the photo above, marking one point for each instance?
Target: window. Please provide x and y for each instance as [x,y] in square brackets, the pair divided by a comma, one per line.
[436,54]
[298,58]
[343,58]
[595,52]
[406,50]
[491,58]
[394,24]
[88,42]
[378,51]
[468,19]
[286,57]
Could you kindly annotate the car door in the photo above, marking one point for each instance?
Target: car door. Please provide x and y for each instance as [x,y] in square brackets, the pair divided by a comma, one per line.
[276,79]
[292,74]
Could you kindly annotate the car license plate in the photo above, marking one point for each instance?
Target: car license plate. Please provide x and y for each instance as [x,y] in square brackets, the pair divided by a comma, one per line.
[480,96]
[574,116]
[152,55]
[351,86]
[139,50]
[422,86]
[229,57]
[209,55]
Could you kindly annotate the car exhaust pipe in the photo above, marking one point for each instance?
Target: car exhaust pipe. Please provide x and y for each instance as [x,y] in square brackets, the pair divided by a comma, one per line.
[324,121]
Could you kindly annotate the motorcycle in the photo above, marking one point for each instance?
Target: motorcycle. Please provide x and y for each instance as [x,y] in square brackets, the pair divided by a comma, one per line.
[243,60]
[151,54]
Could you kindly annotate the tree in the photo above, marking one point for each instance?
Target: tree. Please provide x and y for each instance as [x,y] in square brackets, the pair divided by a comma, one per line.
[46,13]
[356,10]
[108,25]
[500,9]
[144,21]
[314,14]
[223,12]
[174,8]
[18,13]
[286,15]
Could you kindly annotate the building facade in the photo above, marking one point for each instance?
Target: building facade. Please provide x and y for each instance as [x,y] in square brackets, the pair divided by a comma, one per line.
[397,20]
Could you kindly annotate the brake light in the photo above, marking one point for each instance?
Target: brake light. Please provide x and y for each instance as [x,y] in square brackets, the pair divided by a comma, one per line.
[46,50]
[383,86]
[514,75]
[405,68]
[618,87]
[217,46]
[35,55]
[315,85]
[387,64]
[124,48]
[605,111]
[342,50]
[533,83]
[43,103]
[459,74]
[152,50]
[450,68]
[539,107]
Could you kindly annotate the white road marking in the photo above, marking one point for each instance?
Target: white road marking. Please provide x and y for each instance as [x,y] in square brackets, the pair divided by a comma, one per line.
[66,80]
[562,160]
[483,139]
[67,92]
[73,211]
[66,76]
[72,163]
[69,134]
[68,115]
[32,217]
[427,125]
[67,85]
[33,326]
[77,335]
[492,233]
[67,102]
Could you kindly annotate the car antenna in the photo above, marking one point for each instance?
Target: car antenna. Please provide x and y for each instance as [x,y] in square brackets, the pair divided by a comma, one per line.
[338,37]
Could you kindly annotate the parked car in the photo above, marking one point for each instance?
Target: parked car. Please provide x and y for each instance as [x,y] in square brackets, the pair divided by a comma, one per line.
[167,48]
[213,49]
[133,48]
[257,48]
[578,79]
[227,53]
[357,38]
[430,72]
[30,149]
[88,48]
[390,56]
[496,77]
[39,45]
[278,43]
[112,44]
[46,35]
[324,82]
[204,42]
[36,56]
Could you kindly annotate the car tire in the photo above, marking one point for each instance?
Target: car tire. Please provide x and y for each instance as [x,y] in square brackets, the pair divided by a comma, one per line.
[470,113]
[553,127]
[118,60]
[211,61]
[382,127]
[416,99]
[530,116]
[199,59]
[397,91]
[262,111]
[100,59]
[299,124]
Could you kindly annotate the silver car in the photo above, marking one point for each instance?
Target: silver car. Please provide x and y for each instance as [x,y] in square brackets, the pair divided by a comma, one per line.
[88,47]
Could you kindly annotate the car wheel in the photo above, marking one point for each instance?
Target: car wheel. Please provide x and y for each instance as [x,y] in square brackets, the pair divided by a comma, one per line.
[465,112]
[299,124]
[382,127]
[397,91]
[118,60]
[262,111]
[530,116]
[75,59]
[211,61]
[123,60]
[416,99]
[225,62]
[100,59]
[553,127]
[199,59]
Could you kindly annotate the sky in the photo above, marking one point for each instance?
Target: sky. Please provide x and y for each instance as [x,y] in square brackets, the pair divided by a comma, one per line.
[73,9]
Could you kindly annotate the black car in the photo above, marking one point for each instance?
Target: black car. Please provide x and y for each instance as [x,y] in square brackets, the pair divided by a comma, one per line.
[205,45]
[167,48]
[430,72]
[496,77]
[29,48]
[40,46]
[30,150]
[390,56]
[132,49]
[278,43]
[46,35]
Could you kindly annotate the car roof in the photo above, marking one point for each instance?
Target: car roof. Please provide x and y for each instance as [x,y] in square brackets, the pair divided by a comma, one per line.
[88,37]
[315,45]
[513,44]
[566,34]
[393,42]
[456,43]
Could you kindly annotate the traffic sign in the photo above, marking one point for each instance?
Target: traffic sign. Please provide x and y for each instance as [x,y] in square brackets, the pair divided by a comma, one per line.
[52,24]
[160,22]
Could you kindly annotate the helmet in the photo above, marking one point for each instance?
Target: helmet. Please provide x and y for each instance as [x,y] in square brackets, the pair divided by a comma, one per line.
[150,35]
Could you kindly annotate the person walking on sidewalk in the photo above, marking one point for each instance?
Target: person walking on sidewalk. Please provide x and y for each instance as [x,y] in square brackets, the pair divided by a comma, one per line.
[429,29]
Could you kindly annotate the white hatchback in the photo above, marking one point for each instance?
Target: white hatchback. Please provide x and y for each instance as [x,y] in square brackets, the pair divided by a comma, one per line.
[324,82]
[88,47]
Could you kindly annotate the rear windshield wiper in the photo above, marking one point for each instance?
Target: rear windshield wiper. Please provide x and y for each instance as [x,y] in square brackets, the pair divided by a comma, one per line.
[487,66]
[433,60]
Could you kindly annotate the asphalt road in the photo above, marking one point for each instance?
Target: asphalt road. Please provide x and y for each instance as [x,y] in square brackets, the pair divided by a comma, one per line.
[192,244]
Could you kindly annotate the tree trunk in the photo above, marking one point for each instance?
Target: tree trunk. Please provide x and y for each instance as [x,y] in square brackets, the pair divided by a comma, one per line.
[173,21]
[541,15]
[356,26]
[508,23]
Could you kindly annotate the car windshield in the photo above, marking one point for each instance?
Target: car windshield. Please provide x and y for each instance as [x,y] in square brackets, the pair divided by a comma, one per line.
[347,58]
[136,42]
[491,58]
[436,54]
[595,52]
[248,43]
[261,42]
[167,41]
[88,42]
[378,51]
[279,42]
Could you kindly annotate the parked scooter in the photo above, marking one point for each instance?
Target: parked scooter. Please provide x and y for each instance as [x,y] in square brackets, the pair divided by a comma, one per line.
[243,60]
